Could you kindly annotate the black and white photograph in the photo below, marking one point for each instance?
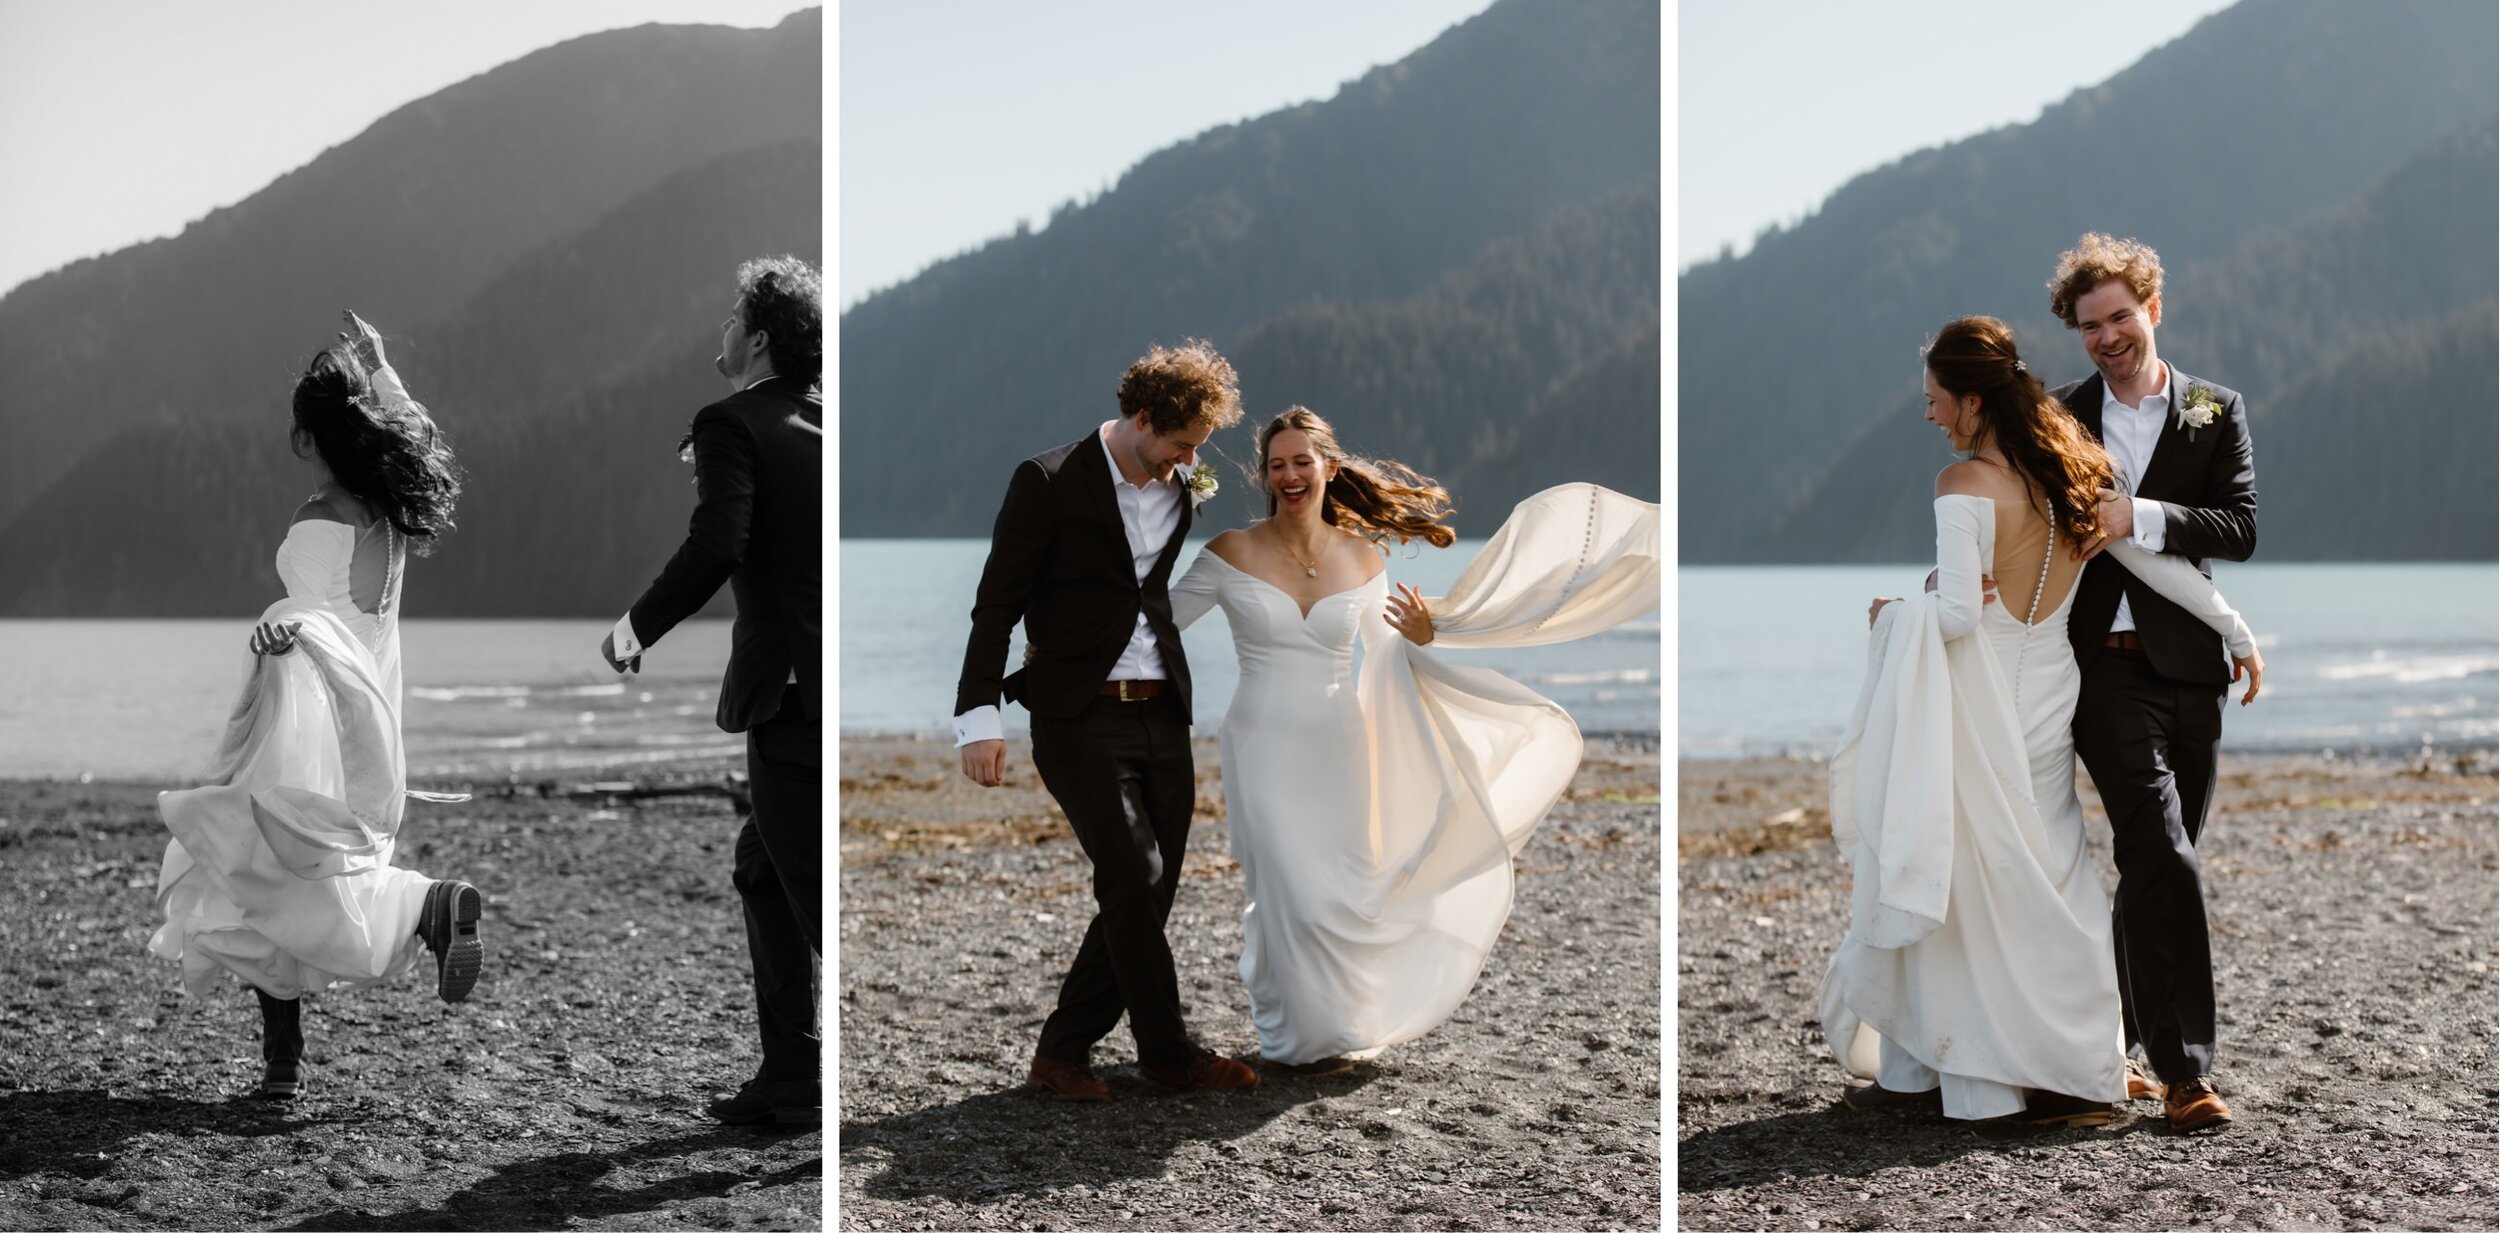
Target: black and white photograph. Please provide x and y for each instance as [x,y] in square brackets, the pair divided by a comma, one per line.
[411,540]
[1251,554]
[2087,616]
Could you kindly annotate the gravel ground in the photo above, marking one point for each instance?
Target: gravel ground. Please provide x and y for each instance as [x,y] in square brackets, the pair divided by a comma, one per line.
[1537,1106]
[567,1092]
[2355,937]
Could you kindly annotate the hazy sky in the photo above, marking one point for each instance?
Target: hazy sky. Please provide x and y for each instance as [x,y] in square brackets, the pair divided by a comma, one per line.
[960,117]
[125,120]
[1780,102]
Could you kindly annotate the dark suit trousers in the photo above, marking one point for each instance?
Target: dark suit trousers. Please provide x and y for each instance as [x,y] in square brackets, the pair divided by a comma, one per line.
[2149,744]
[1122,773]
[780,881]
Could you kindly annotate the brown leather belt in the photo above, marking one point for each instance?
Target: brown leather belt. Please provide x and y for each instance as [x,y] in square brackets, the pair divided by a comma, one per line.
[2123,640]
[1132,691]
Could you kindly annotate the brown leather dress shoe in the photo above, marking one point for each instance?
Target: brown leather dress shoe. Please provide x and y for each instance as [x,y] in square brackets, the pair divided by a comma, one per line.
[1206,1072]
[2192,1104]
[2141,1081]
[1068,1081]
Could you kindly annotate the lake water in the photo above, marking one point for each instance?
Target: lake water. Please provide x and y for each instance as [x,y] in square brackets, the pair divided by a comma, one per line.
[906,612]
[2380,657]
[148,699]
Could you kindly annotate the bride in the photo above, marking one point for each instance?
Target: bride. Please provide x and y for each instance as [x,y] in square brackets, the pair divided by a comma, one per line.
[1375,822]
[1977,971]
[279,869]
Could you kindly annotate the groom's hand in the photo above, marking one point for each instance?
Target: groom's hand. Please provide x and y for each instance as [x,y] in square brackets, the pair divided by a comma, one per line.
[2117,512]
[985,763]
[607,651]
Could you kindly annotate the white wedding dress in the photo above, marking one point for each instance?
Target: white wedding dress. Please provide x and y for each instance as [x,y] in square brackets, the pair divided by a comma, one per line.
[1978,956]
[1375,821]
[280,867]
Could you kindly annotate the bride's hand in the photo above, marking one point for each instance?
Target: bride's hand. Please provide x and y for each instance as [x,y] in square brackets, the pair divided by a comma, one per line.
[365,340]
[1410,615]
[1876,607]
[2255,668]
[274,639]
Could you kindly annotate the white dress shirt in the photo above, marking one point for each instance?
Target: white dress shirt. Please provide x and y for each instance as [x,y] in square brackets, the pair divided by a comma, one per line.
[2130,433]
[1150,513]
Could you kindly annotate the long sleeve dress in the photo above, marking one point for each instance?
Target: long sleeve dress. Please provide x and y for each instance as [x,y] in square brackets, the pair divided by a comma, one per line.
[1978,957]
[1375,819]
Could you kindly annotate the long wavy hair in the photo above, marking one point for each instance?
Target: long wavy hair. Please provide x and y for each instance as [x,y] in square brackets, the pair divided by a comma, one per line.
[1372,497]
[392,459]
[2046,446]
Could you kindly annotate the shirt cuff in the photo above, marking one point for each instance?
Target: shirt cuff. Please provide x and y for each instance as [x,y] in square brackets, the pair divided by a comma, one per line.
[2152,524]
[627,644]
[981,723]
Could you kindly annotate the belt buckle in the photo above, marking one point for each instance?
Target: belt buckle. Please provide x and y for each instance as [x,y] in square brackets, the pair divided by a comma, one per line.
[1124,691]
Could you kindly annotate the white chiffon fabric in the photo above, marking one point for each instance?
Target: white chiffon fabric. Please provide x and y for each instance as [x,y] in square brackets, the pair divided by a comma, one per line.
[280,867]
[1375,819]
[1978,956]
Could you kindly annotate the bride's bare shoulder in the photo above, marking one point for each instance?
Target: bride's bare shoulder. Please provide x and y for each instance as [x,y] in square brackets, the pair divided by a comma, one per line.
[1973,478]
[327,506]
[1229,545]
[1374,558]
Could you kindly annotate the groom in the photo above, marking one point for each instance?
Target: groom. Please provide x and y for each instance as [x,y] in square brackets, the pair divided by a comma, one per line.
[1082,554]
[759,484]
[2149,716]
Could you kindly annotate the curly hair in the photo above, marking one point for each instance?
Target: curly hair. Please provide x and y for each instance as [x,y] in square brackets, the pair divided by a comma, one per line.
[1372,497]
[783,298]
[1189,386]
[392,458]
[2096,259]
[2047,447]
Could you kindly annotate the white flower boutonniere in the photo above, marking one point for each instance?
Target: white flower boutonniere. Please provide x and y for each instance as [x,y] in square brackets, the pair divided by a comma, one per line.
[2198,410]
[1201,484]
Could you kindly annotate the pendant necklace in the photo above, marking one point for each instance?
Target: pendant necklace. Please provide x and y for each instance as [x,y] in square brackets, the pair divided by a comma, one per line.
[1310,568]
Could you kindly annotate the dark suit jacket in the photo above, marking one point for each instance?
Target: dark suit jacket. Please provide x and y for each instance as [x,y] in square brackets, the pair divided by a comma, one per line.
[1059,561]
[2208,490]
[759,471]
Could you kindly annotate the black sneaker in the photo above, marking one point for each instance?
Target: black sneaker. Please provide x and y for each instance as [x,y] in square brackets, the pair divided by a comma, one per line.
[777,1102]
[449,926]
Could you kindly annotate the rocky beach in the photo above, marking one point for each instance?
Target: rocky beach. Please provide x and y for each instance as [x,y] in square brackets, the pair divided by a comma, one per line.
[1536,1107]
[2352,903]
[566,1092]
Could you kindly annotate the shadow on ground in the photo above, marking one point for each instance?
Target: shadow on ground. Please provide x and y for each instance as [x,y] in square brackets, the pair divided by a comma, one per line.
[1840,1143]
[1018,1143]
[77,1131]
[574,1186]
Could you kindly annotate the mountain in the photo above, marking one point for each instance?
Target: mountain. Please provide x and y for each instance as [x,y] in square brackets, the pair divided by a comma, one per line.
[563,385]
[2321,187]
[1474,209]
[563,370]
